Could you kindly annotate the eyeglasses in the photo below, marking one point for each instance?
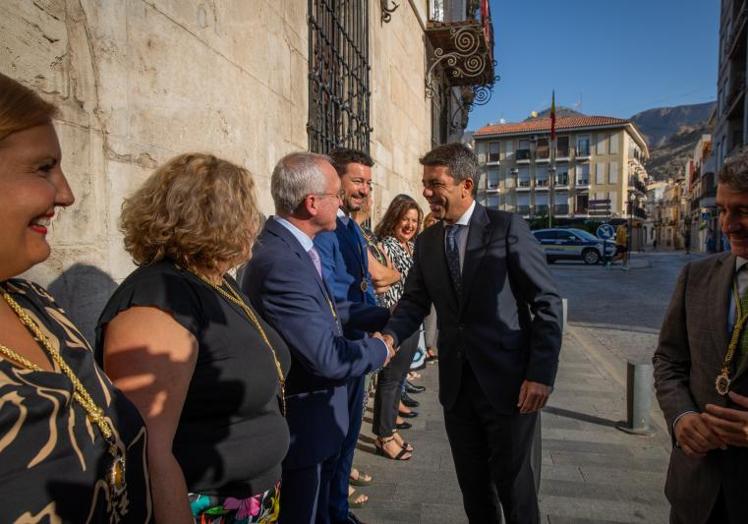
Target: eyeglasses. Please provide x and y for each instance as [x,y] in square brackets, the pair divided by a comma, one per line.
[336,195]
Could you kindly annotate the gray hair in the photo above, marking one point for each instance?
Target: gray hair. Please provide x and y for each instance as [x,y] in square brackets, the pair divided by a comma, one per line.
[458,158]
[734,172]
[295,176]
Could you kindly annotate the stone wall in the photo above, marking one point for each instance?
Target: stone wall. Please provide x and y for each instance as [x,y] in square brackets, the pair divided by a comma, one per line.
[400,110]
[138,81]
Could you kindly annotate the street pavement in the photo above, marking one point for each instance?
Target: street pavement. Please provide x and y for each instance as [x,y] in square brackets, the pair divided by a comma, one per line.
[591,471]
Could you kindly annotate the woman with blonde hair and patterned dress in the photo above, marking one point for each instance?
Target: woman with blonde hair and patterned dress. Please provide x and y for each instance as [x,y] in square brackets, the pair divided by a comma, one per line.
[184,344]
[72,447]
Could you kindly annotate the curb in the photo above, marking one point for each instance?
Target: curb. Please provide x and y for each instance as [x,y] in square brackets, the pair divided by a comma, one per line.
[614,367]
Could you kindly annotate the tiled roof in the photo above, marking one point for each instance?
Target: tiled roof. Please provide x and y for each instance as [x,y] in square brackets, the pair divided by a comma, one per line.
[544,125]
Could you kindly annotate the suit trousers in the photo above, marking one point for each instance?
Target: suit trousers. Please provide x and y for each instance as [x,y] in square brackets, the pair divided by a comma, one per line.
[391,378]
[430,331]
[338,506]
[491,452]
[305,493]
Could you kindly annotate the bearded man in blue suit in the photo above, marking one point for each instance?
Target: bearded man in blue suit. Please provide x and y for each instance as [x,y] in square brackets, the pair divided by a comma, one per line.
[346,267]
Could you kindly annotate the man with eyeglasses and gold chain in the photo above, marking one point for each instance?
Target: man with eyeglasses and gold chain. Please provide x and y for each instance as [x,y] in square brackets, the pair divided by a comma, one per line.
[699,369]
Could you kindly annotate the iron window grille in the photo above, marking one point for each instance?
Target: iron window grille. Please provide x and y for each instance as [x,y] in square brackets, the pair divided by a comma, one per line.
[339,92]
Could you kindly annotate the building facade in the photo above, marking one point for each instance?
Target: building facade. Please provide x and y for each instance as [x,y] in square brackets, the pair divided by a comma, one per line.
[731,126]
[138,82]
[597,173]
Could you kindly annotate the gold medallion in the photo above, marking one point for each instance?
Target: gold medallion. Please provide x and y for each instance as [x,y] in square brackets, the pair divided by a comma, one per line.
[722,383]
[117,475]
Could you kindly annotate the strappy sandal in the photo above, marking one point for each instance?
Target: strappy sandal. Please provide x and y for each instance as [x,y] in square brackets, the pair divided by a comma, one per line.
[357,500]
[379,447]
[362,479]
[403,444]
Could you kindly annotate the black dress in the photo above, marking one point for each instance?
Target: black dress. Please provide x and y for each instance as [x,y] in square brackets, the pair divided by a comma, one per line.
[231,437]
[53,462]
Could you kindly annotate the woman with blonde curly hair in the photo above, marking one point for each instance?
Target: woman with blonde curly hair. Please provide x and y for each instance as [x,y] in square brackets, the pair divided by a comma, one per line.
[181,340]
[72,448]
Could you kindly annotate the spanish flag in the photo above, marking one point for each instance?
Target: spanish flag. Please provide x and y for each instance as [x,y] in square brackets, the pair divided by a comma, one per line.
[553,115]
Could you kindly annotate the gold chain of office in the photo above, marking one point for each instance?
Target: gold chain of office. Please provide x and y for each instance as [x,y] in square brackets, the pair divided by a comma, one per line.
[116,476]
[723,381]
[232,296]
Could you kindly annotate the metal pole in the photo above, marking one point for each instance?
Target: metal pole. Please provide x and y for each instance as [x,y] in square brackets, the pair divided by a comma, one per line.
[552,182]
[639,380]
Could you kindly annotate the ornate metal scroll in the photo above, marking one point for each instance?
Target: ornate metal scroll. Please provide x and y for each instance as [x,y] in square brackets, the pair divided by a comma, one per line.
[466,61]
[387,10]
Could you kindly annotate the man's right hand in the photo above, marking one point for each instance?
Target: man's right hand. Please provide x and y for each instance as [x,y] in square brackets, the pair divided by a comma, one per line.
[695,437]
[388,341]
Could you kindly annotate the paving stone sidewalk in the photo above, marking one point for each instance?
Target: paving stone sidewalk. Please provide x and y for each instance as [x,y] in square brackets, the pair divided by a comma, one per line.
[591,471]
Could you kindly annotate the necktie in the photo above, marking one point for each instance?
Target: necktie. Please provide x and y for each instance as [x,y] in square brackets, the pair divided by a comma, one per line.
[453,258]
[314,255]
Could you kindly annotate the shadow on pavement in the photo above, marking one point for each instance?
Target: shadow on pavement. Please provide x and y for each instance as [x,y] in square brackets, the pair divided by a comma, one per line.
[580,416]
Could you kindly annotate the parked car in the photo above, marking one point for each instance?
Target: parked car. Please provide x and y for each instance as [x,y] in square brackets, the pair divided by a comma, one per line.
[573,244]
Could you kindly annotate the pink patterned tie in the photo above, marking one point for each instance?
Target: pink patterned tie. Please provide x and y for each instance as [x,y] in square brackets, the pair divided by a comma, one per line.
[316,260]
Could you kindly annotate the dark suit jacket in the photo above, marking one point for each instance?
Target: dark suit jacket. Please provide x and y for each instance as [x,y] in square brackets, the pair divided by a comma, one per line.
[287,292]
[693,341]
[508,323]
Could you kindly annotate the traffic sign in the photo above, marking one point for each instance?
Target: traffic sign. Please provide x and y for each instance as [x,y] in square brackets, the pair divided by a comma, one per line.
[606,231]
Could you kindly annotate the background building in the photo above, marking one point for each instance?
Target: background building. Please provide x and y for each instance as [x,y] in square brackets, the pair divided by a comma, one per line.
[730,129]
[599,172]
[141,81]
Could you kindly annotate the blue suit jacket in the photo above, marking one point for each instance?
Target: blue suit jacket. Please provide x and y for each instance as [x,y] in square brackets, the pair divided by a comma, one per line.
[345,264]
[285,289]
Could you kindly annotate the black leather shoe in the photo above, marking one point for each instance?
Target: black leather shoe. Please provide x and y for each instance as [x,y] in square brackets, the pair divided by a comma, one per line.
[408,401]
[413,388]
[404,425]
[409,414]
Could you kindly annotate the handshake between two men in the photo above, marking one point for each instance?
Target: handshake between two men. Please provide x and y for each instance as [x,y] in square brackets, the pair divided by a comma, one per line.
[533,396]
[389,342]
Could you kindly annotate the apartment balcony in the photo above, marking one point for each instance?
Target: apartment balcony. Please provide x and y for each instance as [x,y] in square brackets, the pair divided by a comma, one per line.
[583,182]
[541,209]
[541,185]
[562,181]
[735,97]
[522,156]
[737,35]
[524,210]
[523,185]
[637,185]
[462,52]
[581,154]
[561,210]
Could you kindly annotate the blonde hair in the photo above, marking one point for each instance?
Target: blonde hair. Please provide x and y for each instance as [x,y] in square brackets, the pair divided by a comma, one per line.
[21,108]
[197,210]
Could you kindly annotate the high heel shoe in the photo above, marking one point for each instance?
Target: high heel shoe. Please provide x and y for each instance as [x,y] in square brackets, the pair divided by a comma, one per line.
[379,448]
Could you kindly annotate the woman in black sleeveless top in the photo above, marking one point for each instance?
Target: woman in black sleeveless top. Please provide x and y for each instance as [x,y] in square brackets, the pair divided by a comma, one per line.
[180,339]
[72,447]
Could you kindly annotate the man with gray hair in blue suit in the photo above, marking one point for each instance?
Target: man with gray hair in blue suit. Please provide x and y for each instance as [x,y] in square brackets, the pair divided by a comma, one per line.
[285,284]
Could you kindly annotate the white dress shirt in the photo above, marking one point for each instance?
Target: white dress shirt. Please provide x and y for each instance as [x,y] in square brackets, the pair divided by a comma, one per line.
[462,232]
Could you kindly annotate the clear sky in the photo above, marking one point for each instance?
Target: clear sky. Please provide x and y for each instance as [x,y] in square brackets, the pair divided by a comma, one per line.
[603,57]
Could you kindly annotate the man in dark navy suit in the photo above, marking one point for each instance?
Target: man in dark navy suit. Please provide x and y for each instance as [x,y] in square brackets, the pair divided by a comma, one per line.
[284,281]
[499,320]
[345,264]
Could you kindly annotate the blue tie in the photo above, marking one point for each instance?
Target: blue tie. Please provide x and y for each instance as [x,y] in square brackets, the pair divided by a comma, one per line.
[453,258]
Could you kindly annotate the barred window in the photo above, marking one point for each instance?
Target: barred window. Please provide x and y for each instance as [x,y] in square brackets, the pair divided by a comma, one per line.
[339,94]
